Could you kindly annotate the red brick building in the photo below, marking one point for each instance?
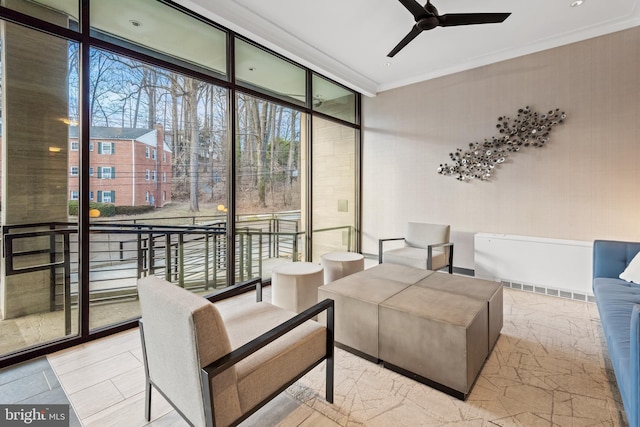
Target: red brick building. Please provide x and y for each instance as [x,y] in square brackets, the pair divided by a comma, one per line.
[128,166]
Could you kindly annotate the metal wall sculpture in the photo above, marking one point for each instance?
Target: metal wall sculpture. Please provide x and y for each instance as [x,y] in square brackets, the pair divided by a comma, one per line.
[528,128]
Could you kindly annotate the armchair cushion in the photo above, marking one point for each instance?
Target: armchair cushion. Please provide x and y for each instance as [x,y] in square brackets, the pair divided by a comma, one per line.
[415,257]
[264,372]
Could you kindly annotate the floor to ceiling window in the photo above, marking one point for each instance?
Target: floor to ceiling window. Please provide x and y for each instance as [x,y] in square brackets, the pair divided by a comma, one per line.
[335,170]
[157,168]
[269,186]
[39,90]
[270,177]
[128,149]
[334,188]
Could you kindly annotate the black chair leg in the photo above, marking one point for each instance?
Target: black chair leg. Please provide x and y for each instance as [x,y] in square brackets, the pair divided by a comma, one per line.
[330,352]
[329,380]
[147,401]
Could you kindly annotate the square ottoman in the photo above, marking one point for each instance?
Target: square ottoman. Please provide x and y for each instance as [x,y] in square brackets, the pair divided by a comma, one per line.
[485,290]
[356,300]
[397,273]
[435,337]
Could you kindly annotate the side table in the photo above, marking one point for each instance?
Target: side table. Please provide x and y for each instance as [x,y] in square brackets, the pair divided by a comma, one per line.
[340,264]
[294,286]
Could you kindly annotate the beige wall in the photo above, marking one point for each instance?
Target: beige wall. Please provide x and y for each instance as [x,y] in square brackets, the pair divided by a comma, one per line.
[583,185]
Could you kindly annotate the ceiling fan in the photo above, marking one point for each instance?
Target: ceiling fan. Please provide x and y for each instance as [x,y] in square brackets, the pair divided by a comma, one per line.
[427,18]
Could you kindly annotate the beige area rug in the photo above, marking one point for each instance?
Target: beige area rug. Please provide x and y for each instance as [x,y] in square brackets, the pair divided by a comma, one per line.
[549,368]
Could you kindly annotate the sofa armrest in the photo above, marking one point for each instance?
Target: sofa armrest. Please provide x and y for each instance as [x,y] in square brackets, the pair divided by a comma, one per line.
[237,289]
[380,243]
[633,413]
[440,245]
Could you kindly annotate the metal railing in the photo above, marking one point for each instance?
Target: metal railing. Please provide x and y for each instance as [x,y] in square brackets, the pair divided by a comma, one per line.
[191,256]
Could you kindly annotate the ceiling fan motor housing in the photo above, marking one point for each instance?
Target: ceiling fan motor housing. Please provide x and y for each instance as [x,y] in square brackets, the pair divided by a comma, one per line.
[428,23]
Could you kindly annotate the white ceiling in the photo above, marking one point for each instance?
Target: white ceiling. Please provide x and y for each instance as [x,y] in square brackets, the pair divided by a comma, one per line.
[348,40]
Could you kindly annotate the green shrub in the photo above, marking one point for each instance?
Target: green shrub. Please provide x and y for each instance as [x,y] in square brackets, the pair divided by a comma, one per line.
[106,209]
[133,210]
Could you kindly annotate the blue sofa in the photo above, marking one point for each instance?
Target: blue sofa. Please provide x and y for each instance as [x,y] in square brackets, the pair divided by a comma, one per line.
[618,302]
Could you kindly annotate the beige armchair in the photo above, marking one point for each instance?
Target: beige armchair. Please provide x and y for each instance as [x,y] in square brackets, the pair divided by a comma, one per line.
[218,362]
[425,246]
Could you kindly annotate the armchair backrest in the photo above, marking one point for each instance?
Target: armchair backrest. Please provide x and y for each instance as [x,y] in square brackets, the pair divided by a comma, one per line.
[420,235]
[184,332]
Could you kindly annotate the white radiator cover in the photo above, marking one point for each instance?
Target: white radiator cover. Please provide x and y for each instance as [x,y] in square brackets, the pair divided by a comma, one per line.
[552,266]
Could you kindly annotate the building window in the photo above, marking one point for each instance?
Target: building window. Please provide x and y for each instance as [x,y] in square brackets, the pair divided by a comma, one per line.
[164,177]
[106,196]
[91,146]
[164,196]
[153,175]
[146,152]
[75,146]
[90,171]
[106,172]
[146,196]
[164,157]
[74,170]
[146,175]
[73,195]
[90,195]
[153,154]
[106,148]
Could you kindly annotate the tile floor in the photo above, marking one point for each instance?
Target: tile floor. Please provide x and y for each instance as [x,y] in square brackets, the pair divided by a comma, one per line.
[549,368]
[34,382]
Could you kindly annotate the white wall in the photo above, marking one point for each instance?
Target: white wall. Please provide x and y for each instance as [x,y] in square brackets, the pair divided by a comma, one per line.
[583,185]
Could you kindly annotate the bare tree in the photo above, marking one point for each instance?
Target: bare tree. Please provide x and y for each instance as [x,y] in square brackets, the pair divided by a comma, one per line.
[192,88]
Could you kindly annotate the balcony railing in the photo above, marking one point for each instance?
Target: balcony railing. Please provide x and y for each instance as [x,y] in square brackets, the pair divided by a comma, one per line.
[192,256]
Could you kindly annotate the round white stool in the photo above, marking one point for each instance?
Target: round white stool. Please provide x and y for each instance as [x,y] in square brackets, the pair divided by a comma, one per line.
[294,286]
[340,264]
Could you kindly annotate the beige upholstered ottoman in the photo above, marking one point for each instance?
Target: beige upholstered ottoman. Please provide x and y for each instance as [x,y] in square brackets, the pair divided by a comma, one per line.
[340,264]
[294,286]
[435,337]
[356,301]
[485,290]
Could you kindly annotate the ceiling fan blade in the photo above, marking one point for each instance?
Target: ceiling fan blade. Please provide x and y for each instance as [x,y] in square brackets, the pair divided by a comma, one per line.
[416,10]
[405,41]
[453,19]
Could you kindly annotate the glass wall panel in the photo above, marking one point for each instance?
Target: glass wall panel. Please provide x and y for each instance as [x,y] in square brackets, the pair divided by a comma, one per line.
[334,187]
[161,28]
[60,12]
[270,183]
[333,100]
[38,294]
[260,70]
[158,167]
